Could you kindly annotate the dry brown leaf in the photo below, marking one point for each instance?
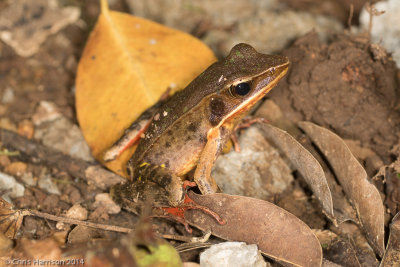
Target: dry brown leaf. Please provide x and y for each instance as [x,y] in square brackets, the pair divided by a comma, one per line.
[342,208]
[305,163]
[128,62]
[392,253]
[277,233]
[10,219]
[5,246]
[342,252]
[364,196]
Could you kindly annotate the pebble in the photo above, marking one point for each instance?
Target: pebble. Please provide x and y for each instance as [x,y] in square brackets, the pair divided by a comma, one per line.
[7,124]
[232,254]
[104,200]
[72,141]
[61,226]
[46,183]
[385,28]
[11,187]
[26,129]
[17,168]
[77,212]
[256,171]
[8,96]
[4,161]
[45,112]
[28,179]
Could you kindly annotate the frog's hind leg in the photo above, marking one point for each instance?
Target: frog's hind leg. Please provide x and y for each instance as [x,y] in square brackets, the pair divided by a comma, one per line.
[172,184]
[132,135]
[176,193]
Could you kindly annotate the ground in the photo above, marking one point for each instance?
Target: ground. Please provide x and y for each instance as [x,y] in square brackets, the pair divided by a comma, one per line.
[343,82]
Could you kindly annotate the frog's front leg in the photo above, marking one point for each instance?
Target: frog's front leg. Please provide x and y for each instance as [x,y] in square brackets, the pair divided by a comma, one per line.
[172,183]
[216,140]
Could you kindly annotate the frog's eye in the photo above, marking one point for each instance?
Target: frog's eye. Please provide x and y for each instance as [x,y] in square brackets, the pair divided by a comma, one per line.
[240,89]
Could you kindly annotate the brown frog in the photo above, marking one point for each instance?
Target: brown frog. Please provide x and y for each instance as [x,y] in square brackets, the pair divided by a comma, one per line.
[190,128]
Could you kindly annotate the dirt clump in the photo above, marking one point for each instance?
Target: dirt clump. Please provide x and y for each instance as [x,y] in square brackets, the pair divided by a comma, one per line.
[344,86]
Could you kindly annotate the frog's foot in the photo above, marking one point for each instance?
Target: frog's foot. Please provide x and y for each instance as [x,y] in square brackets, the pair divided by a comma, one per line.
[247,122]
[178,213]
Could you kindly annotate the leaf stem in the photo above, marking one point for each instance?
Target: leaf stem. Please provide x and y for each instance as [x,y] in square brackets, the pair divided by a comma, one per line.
[104,7]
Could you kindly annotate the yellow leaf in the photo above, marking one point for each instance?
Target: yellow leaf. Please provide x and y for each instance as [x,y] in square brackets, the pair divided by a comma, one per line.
[128,62]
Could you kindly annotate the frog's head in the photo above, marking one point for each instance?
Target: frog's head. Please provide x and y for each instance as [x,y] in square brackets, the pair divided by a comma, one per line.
[242,79]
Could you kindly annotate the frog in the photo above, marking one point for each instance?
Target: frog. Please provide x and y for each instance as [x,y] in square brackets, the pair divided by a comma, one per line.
[188,130]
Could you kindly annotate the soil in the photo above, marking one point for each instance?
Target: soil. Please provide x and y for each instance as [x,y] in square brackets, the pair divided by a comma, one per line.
[344,87]
[347,85]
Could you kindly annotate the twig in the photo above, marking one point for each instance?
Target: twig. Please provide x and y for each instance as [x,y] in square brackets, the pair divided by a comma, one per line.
[188,239]
[75,221]
[191,246]
[90,172]
[372,12]
[351,14]
[114,228]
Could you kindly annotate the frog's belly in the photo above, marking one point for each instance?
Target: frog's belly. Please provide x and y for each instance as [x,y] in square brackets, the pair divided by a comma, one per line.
[178,157]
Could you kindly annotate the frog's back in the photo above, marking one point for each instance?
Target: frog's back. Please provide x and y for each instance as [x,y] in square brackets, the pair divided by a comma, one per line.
[179,118]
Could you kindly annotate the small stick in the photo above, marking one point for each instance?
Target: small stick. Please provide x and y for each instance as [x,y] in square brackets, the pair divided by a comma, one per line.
[114,228]
[187,239]
[77,222]
[191,246]
[372,12]
[351,13]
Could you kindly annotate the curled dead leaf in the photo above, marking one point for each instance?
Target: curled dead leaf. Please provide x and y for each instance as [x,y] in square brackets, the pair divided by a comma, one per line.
[342,208]
[305,163]
[392,253]
[10,219]
[343,253]
[363,195]
[278,234]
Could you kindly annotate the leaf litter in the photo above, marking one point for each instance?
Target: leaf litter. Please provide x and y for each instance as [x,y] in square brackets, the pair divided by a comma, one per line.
[278,234]
[363,195]
[153,43]
[392,253]
[305,163]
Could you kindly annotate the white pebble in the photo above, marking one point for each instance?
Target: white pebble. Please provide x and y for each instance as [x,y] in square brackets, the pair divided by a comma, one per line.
[232,254]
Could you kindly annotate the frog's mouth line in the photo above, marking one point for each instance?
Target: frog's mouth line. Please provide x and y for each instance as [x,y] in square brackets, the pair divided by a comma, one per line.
[247,104]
